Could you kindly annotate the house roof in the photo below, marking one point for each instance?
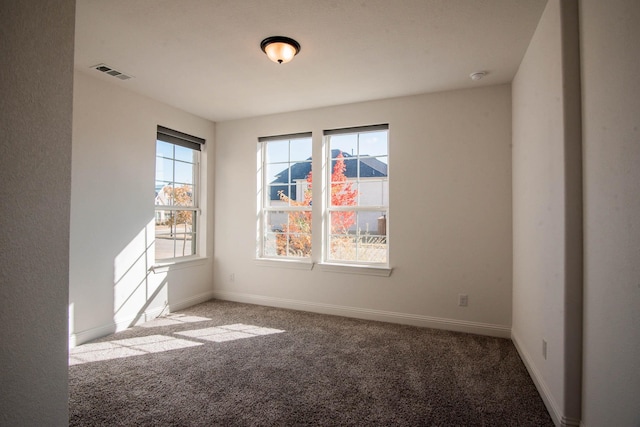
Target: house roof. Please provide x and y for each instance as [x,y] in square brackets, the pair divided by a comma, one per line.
[369,167]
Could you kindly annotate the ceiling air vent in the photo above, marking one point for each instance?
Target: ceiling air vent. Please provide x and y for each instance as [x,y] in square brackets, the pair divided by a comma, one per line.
[111,71]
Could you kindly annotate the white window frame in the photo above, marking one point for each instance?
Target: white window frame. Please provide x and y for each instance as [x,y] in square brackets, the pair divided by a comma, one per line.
[265,208]
[195,144]
[327,261]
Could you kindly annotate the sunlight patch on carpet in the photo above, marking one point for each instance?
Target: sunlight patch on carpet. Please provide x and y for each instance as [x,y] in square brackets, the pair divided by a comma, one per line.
[126,348]
[229,332]
[172,319]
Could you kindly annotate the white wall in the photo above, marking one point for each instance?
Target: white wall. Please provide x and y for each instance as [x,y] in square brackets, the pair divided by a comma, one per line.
[36,81]
[112,211]
[611,110]
[547,269]
[450,213]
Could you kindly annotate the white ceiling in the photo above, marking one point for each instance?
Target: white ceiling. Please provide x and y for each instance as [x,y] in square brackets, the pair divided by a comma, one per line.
[203,56]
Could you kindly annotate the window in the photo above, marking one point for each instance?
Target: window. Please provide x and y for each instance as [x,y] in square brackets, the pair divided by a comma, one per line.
[176,201]
[357,200]
[285,200]
[353,195]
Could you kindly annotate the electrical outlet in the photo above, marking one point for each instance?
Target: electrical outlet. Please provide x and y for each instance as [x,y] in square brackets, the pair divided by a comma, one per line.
[232,277]
[463,300]
[544,349]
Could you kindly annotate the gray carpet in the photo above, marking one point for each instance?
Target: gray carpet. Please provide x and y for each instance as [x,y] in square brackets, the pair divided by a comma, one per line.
[230,364]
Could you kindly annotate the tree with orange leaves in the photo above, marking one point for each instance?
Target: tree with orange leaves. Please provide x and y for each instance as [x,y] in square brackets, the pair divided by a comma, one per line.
[342,194]
[295,239]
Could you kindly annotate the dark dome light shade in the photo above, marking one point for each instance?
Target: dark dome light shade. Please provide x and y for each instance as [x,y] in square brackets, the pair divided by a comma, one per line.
[280,49]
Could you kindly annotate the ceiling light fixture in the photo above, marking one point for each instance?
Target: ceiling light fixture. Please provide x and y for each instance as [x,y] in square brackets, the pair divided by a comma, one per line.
[477,75]
[280,49]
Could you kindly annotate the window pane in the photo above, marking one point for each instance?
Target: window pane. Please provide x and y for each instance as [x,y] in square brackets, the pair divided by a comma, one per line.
[373,192]
[175,234]
[184,173]
[347,144]
[366,241]
[185,154]
[300,149]
[278,178]
[185,243]
[301,192]
[276,221]
[373,144]
[278,172]
[164,192]
[373,167]
[181,195]
[164,169]
[342,247]
[292,222]
[344,193]
[372,248]
[372,223]
[288,234]
[273,195]
[270,239]
[299,222]
[164,242]
[277,151]
[183,221]
[164,149]
[164,247]
[342,222]
[300,170]
[294,245]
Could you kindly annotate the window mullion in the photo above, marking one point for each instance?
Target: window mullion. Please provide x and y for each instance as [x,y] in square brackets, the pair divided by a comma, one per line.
[173,181]
[177,208]
[358,208]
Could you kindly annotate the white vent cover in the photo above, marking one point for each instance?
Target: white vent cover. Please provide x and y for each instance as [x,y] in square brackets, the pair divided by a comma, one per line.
[111,71]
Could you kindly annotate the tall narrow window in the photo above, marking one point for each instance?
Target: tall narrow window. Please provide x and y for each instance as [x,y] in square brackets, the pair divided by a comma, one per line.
[285,199]
[357,198]
[177,198]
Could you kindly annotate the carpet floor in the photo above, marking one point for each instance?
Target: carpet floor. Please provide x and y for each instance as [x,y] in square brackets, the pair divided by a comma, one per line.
[230,364]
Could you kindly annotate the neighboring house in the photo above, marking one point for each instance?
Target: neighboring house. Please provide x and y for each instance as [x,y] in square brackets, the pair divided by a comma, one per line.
[163,198]
[369,168]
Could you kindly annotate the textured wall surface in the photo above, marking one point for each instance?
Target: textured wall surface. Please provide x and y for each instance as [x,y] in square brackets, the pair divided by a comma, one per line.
[538,205]
[611,131]
[449,218]
[112,210]
[36,108]
[547,227]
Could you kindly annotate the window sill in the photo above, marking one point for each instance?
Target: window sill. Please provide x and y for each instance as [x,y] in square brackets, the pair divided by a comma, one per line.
[356,269]
[165,266]
[285,263]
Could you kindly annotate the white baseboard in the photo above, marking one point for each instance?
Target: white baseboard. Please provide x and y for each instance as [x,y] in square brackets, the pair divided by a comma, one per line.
[552,406]
[369,314]
[75,339]
[118,325]
[186,303]
[570,422]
